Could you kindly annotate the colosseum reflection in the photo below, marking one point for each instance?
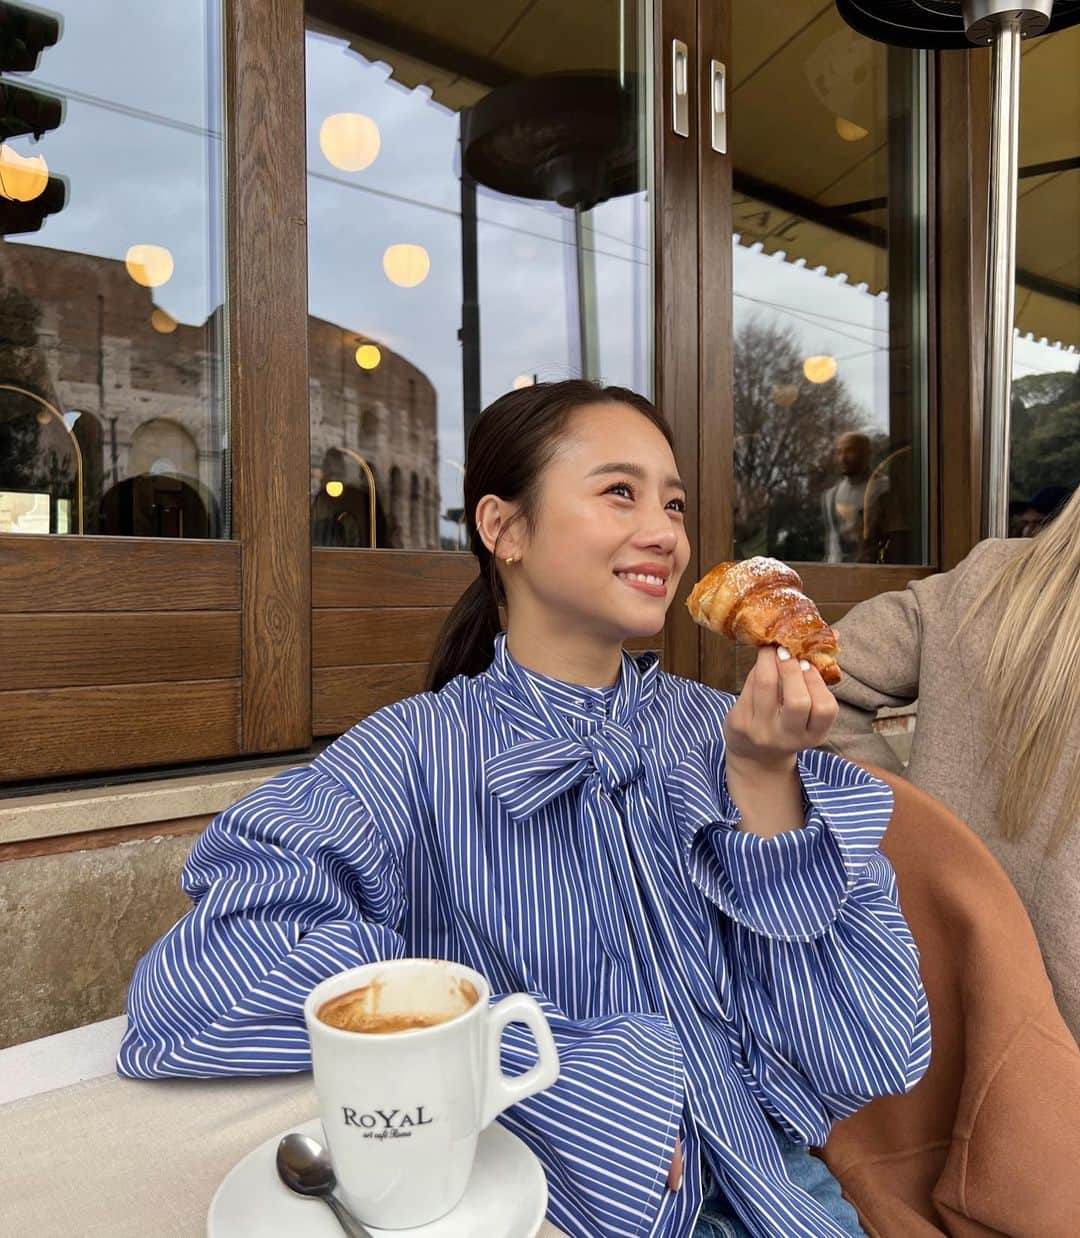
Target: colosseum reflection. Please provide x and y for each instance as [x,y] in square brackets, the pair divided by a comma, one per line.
[128,411]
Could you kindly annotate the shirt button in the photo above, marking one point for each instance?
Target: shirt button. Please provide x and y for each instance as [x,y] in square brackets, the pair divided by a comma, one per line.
[588,706]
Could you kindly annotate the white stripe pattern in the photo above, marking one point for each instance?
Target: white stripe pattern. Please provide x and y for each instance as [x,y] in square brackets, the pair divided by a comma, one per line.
[579,845]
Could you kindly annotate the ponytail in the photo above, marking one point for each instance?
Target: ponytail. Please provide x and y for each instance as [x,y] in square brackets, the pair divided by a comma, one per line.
[510,445]
[466,643]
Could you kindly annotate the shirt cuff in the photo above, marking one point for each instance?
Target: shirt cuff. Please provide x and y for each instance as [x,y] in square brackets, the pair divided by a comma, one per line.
[793,886]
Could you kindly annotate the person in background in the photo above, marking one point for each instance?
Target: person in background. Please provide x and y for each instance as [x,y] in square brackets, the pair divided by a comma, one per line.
[991,652]
[844,505]
[688,886]
[1033,514]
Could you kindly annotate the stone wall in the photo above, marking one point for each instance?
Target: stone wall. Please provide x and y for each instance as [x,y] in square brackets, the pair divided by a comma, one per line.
[72,926]
[152,401]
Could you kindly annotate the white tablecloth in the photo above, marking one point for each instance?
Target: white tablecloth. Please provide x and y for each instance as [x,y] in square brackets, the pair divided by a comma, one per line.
[85,1154]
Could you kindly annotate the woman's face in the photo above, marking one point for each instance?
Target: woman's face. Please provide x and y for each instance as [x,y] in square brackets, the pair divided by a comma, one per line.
[609,544]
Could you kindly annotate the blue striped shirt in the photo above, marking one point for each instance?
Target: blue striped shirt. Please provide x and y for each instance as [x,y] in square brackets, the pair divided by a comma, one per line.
[580,845]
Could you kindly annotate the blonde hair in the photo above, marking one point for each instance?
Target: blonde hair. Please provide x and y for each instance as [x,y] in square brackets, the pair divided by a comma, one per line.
[1033,671]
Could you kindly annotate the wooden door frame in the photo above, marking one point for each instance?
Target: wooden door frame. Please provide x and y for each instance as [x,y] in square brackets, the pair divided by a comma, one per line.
[715,336]
[959,142]
[677,382]
[268,324]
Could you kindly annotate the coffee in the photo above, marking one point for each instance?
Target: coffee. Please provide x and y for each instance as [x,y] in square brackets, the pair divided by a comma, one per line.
[368,1010]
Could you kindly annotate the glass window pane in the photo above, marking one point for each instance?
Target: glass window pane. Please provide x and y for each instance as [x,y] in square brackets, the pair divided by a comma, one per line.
[113,404]
[828,141]
[478,217]
[1045,415]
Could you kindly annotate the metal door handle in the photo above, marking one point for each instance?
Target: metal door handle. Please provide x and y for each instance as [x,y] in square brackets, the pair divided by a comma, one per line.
[680,88]
[718,105]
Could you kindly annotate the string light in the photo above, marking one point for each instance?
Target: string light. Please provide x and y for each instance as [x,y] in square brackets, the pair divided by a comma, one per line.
[406,265]
[149,265]
[22,179]
[350,141]
[819,369]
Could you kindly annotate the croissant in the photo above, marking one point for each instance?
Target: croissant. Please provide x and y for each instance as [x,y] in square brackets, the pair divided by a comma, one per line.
[760,602]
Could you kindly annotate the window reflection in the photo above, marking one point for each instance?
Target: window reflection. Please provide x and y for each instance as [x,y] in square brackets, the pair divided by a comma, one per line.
[829,255]
[478,218]
[1045,413]
[112,400]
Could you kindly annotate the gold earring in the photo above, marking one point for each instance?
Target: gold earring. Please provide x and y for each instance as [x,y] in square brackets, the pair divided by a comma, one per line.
[509,561]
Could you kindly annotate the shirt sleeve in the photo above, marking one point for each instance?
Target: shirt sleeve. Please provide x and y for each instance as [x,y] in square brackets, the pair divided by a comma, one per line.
[290,885]
[605,1131]
[828,999]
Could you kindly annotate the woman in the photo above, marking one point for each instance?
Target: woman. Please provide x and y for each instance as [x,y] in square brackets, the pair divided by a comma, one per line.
[991,651]
[702,912]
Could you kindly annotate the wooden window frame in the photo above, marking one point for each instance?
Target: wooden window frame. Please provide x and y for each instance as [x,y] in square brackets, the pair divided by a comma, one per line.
[123,653]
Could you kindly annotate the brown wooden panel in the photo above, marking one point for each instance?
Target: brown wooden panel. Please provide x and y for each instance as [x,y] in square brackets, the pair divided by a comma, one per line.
[116,573]
[268,309]
[851,582]
[119,726]
[345,694]
[59,651]
[675,225]
[375,637]
[375,578]
[647,644]
[716,332]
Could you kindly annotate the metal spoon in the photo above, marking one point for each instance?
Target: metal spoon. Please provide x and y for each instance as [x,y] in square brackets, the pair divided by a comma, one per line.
[303,1164]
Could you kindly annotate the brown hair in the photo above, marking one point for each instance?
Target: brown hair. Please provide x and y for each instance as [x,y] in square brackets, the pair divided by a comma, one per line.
[510,445]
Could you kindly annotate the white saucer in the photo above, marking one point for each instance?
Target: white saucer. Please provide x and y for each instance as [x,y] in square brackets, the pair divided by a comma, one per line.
[506,1197]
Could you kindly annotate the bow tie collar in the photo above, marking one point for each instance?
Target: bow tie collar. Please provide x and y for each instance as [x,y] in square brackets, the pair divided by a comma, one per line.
[568,734]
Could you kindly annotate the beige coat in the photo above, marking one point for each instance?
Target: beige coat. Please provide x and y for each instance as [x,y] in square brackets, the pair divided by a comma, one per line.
[900,647]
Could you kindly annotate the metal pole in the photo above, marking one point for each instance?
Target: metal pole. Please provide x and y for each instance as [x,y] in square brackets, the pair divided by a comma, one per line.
[1001,284]
[588,325]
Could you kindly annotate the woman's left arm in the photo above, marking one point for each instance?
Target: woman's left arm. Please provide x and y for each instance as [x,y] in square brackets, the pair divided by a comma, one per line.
[829,1003]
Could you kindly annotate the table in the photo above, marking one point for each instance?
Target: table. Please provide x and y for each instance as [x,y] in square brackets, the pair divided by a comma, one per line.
[86,1154]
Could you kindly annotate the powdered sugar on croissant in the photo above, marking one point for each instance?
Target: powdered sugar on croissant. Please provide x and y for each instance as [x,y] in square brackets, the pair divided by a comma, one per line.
[760,602]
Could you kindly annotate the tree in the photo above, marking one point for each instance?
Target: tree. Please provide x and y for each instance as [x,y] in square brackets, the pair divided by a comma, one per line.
[1045,433]
[785,430]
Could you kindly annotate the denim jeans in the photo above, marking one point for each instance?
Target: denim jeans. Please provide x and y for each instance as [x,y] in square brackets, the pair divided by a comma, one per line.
[718,1221]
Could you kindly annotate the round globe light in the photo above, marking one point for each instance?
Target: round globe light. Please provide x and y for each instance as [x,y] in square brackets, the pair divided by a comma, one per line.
[819,369]
[368,356]
[22,180]
[523,380]
[335,489]
[406,265]
[161,320]
[350,141]
[849,130]
[149,265]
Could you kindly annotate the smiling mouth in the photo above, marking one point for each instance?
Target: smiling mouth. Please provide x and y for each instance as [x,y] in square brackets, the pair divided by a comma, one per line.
[642,578]
[644,582]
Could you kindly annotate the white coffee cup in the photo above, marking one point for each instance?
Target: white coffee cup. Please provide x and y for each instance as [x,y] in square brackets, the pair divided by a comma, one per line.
[402,1109]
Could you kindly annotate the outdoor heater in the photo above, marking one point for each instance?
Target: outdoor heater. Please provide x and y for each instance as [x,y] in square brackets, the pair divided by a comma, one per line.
[569,138]
[949,25]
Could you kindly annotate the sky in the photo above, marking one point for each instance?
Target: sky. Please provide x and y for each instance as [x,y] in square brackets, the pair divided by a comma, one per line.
[141,148]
